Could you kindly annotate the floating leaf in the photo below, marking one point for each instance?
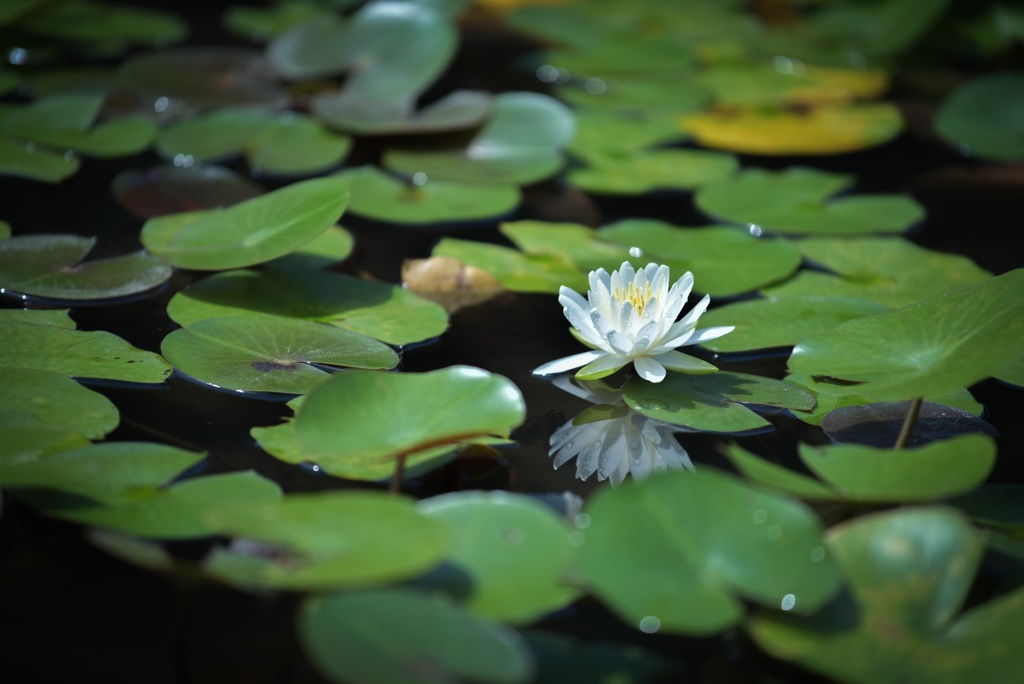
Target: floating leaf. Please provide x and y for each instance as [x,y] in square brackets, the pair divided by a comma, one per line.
[715,402]
[169,189]
[326,249]
[823,130]
[514,270]
[516,551]
[769,474]
[638,172]
[646,94]
[93,354]
[383,415]
[318,46]
[707,538]
[619,53]
[250,232]
[24,159]
[78,80]
[58,401]
[985,116]
[213,136]
[25,439]
[57,317]
[294,144]
[5,230]
[455,111]
[724,261]
[937,345]
[329,540]
[449,282]
[261,23]
[394,636]
[377,195]
[101,23]
[145,554]
[789,82]
[794,201]
[573,241]
[259,353]
[878,424]
[48,266]
[600,130]
[1013,372]
[380,310]
[909,572]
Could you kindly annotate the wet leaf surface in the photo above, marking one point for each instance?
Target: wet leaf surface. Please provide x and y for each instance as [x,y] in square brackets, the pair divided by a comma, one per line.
[641,172]
[984,116]
[56,400]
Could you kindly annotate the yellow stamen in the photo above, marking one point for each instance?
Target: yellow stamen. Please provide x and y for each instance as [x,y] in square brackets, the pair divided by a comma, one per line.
[634,296]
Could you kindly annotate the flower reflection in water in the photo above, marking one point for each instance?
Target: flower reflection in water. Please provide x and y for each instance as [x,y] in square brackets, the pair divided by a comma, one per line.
[612,440]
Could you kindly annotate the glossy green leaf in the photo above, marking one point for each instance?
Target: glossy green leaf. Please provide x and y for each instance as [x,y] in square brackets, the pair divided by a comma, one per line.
[716,402]
[909,572]
[788,82]
[94,22]
[328,540]
[57,400]
[456,111]
[575,242]
[394,636]
[24,438]
[677,551]
[602,130]
[937,345]
[515,550]
[889,271]
[724,261]
[638,172]
[380,310]
[795,201]
[315,47]
[294,144]
[514,270]
[521,143]
[770,474]
[330,247]
[179,511]
[986,116]
[651,94]
[260,353]
[377,195]
[49,266]
[781,321]
[145,554]
[80,354]
[213,136]
[1013,372]
[251,232]
[380,416]
[57,317]
[24,159]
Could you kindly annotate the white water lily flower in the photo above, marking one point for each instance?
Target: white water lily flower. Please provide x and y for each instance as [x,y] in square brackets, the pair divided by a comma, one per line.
[630,317]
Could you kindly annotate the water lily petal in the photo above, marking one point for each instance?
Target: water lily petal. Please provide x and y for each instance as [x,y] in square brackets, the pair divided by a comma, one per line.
[684,363]
[577,312]
[646,337]
[601,367]
[570,362]
[649,369]
[710,334]
[677,296]
[622,345]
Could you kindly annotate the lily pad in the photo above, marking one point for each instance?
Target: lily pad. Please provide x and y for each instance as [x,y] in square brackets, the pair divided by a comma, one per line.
[455,111]
[168,189]
[395,636]
[1013,372]
[379,196]
[25,439]
[724,261]
[58,317]
[24,159]
[94,354]
[515,271]
[521,143]
[259,353]
[103,24]
[90,80]
[330,247]
[5,230]
[213,136]
[985,116]
[790,82]
[714,403]
[516,551]
[795,201]
[708,540]
[449,282]
[639,172]
[829,129]
[316,47]
[878,424]
[328,540]
[48,266]
[937,345]
[767,473]
[380,310]
[645,94]
[909,572]
[381,416]
[57,400]
[575,242]
[601,130]
[258,24]
[250,232]
[294,144]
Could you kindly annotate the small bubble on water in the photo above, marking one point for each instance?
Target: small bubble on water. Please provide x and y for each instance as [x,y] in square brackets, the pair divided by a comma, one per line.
[788,601]
[650,624]
[595,86]
[774,532]
[636,252]
[160,104]
[582,521]
[513,535]
[419,178]
[547,73]
[755,230]
[653,404]
[760,516]
[817,554]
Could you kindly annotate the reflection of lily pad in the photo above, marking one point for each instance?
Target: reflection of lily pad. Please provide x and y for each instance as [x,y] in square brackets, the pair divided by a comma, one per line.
[794,201]
[250,232]
[57,400]
[937,345]
[638,172]
[385,198]
[169,189]
[822,130]
[986,116]
[257,353]
[878,424]
[710,540]
[48,266]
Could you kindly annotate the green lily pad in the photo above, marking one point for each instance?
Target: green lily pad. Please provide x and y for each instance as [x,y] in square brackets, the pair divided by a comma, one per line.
[377,195]
[179,511]
[258,24]
[57,317]
[48,266]
[260,353]
[380,310]
[515,271]
[330,247]
[80,354]
[89,80]
[794,201]
[937,345]
[715,402]
[112,473]
[385,417]
[215,135]
[601,130]
[25,160]
[573,241]
[724,261]
[395,636]
[888,271]
[909,572]
[520,144]
[101,23]
[785,82]
[985,116]
[781,321]
[328,540]
[769,474]
[650,94]
[456,111]
[708,540]
[1013,372]
[638,172]
[516,551]
[57,400]
[316,47]
[25,439]
[169,189]
[250,232]
[294,144]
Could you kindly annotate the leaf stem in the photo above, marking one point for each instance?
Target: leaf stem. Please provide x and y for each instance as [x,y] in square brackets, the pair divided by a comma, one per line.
[908,423]
[396,480]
